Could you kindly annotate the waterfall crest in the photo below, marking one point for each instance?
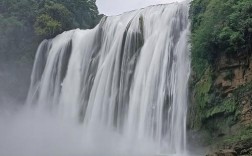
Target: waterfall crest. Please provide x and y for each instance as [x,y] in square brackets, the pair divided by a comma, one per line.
[128,75]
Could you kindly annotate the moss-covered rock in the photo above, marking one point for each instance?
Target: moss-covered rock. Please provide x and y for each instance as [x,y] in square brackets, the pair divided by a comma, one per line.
[221,103]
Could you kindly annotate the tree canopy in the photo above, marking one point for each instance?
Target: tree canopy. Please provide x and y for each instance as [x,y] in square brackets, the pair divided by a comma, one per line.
[24,23]
[219,27]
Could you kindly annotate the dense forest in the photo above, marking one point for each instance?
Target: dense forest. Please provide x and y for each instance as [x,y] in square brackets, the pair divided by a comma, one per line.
[24,24]
[222,72]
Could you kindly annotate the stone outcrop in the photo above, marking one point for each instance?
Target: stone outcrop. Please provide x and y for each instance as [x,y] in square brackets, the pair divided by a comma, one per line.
[233,78]
[226,152]
[224,107]
[246,109]
[240,148]
[231,74]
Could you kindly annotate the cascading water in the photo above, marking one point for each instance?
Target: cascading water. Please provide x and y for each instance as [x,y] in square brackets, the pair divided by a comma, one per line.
[125,81]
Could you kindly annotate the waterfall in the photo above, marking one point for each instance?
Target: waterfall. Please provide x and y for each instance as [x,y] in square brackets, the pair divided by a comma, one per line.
[128,76]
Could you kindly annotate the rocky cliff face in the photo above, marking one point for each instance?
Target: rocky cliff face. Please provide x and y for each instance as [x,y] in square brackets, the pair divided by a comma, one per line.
[222,106]
[221,86]
[232,73]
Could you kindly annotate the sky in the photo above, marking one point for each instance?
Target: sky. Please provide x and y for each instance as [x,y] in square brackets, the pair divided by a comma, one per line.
[115,7]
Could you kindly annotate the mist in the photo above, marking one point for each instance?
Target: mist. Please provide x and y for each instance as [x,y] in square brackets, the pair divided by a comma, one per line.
[14,82]
[27,132]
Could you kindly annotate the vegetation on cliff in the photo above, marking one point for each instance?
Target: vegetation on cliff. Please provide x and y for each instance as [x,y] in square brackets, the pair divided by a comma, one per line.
[24,24]
[219,27]
[221,61]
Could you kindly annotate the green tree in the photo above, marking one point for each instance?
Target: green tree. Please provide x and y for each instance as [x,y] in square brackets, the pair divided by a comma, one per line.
[24,23]
[46,26]
[53,19]
[219,27]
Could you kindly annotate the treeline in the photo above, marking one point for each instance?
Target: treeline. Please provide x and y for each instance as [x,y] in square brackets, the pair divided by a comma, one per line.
[24,23]
[219,27]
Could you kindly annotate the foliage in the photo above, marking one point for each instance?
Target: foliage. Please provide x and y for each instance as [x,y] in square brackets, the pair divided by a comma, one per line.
[52,19]
[227,106]
[85,12]
[202,90]
[209,105]
[218,114]
[61,15]
[202,98]
[219,27]
[244,133]
[46,26]
[24,23]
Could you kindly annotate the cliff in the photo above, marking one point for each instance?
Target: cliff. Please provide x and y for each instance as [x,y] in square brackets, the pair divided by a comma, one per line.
[225,119]
[221,83]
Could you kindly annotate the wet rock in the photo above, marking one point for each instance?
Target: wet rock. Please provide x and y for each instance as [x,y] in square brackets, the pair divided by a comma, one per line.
[225,152]
[243,147]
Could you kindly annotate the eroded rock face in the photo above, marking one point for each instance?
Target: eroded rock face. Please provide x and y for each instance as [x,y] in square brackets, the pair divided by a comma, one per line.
[227,117]
[243,148]
[240,148]
[233,73]
[226,152]
[246,112]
